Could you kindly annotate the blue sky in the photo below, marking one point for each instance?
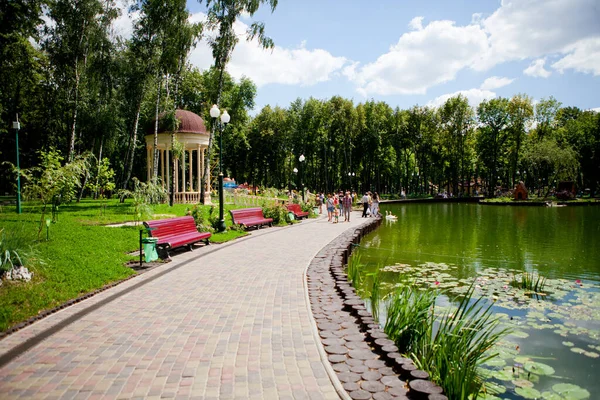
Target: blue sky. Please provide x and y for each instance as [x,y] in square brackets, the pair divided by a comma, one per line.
[421,52]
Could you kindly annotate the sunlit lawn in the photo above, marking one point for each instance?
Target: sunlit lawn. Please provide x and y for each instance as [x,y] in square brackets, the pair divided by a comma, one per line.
[81,255]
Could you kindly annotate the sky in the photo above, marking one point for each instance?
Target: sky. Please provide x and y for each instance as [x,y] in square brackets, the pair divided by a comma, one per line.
[408,52]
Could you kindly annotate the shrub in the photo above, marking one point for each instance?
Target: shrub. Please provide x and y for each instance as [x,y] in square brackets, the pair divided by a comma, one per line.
[278,212]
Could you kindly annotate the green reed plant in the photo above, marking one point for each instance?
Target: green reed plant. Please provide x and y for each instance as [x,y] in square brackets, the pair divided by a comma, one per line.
[375,294]
[529,281]
[408,319]
[452,353]
[353,270]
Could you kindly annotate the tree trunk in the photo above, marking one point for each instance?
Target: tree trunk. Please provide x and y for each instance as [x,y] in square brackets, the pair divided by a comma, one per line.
[133,142]
[155,150]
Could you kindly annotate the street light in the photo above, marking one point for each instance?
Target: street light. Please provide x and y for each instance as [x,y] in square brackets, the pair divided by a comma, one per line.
[225,118]
[16,127]
[301,159]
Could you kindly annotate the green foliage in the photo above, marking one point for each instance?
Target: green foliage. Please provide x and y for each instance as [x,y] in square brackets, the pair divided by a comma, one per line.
[10,247]
[408,317]
[144,195]
[278,212]
[529,281]
[450,349]
[353,270]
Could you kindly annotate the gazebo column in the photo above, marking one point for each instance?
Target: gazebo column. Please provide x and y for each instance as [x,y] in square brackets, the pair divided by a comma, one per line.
[148,162]
[198,169]
[183,187]
[162,167]
[168,171]
[190,176]
[176,177]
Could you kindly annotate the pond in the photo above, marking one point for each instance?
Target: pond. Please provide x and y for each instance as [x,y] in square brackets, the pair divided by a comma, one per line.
[554,350]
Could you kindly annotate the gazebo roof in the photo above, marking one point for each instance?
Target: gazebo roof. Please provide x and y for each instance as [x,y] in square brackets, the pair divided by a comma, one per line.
[188,123]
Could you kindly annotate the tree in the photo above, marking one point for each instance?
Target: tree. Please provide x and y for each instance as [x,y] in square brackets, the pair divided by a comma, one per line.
[222,15]
[520,112]
[545,115]
[50,180]
[492,135]
[70,40]
[458,119]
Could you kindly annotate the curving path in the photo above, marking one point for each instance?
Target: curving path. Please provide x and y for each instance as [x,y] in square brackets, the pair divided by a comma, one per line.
[225,321]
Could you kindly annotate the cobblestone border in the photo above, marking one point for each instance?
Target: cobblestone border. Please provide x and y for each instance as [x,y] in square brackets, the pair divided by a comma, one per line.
[364,359]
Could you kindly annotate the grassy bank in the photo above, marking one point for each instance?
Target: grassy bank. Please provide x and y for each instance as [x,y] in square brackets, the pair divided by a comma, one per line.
[81,255]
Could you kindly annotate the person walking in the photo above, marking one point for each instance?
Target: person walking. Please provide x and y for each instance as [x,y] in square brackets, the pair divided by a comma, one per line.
[330,207]
[347,203]
[375,205]
[365,203]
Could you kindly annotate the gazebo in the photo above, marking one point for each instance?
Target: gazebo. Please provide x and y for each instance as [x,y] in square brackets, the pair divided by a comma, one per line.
[194,136]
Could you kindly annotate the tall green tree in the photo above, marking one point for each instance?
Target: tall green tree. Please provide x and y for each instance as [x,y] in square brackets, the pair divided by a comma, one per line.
[492,136]
[221,17]
[520,114]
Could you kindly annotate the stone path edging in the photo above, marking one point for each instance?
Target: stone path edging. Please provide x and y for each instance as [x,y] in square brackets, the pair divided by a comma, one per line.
[358,352]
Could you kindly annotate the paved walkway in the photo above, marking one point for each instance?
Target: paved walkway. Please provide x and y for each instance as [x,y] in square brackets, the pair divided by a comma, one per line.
[225,321]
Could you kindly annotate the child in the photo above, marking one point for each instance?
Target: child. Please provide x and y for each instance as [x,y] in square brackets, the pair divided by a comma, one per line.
[336,215]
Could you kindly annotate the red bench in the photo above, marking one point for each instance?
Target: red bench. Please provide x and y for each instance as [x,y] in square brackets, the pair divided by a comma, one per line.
[298,213]
[248,217]
[176,232]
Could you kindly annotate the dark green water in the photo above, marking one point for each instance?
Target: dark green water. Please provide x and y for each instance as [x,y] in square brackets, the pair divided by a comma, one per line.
[558,242]
[561,243]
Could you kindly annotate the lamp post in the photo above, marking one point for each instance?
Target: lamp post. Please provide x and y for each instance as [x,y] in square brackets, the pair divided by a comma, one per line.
[301,159]
[295,170]
[16,127]
[225,118]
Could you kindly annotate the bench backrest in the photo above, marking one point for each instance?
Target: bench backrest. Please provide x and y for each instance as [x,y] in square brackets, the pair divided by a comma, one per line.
[172,226]
[295,208]
[242,214]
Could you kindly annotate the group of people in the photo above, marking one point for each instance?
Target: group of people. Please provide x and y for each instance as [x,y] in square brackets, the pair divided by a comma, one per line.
[339,205]
[370,202]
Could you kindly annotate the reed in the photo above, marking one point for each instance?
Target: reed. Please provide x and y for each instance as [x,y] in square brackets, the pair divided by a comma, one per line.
[450,348]
[409,317]
[353,270]
[529,281]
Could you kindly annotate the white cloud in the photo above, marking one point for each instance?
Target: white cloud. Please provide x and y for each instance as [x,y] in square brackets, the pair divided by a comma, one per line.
[597,109]
[584,57]
[416,23]
[495,82]
[123,25]
[422,59]
[517,30]
[537,70]
[299,66]
[522,29]
[475,96]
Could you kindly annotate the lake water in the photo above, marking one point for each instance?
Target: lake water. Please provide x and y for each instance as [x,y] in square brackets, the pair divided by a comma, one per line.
[447,246]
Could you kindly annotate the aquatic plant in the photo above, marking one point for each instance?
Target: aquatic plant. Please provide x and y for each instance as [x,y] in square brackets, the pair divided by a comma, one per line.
[375,294]
[453,354]
[450,349]
[353,270]
[408,319]
[529,281]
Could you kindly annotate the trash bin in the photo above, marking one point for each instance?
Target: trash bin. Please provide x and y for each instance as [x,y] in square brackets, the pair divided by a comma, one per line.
[149,245]
[291,216]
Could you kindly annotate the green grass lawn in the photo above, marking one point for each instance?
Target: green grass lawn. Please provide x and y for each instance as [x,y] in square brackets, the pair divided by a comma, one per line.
[81,255]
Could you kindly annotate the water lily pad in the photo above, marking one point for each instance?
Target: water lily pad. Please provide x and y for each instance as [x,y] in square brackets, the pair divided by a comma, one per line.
[522,359]
[538,368]
[570,391]
[505,374]
[495,362]
[551,396]
[591,354]
[528,393]
[487,396]
[577,350]
[522,383]
[519,334]
[494,388]
[568,344]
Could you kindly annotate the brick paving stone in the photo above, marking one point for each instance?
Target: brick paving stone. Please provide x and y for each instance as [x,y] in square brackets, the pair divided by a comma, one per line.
[193,328]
